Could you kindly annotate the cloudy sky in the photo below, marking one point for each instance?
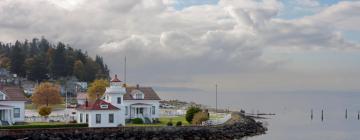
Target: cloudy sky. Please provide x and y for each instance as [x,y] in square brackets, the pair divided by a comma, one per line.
[189,45]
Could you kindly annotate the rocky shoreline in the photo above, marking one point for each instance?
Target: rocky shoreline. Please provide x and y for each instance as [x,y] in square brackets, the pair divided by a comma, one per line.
[238,127]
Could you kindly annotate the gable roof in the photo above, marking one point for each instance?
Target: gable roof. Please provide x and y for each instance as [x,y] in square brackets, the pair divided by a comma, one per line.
[149,93]
[97,106]
[13,93]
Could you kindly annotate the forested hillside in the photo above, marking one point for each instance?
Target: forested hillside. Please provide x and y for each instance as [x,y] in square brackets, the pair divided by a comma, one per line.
[39,60]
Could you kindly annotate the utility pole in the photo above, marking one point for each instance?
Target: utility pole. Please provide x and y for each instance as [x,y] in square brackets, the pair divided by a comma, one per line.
[125,70]
[216,97]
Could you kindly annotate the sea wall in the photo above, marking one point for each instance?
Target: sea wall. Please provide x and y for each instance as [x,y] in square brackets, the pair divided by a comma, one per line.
[233,130]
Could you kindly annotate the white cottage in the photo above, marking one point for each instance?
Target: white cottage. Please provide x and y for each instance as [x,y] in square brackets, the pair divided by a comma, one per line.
[12,105]
[123,102]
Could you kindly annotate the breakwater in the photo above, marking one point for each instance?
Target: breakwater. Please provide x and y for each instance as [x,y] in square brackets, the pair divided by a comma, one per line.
[237,127]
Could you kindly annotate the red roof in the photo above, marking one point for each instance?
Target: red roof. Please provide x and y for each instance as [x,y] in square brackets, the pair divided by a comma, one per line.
[115,79]
[98,105]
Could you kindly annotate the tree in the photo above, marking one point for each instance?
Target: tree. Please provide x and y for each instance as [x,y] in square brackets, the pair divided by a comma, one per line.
[58,62]
[79,70]
[200,117]
[17,60]
[47,94]
[191,112]
[97,89]
[36,69]
[45,111]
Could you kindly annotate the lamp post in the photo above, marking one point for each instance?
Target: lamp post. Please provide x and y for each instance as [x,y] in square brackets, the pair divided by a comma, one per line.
[216,98]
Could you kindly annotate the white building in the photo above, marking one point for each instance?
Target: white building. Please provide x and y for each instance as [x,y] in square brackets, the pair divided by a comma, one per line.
[125,103]
[12,105]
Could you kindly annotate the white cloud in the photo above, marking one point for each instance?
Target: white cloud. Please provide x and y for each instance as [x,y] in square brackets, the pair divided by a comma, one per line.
[232,36]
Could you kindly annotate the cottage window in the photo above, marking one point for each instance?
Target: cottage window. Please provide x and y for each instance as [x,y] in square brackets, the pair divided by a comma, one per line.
[16,112]
[81,117]
[139,96]
[87,118]
[111,118]
[126,110]
[2,96]
[119,100]
[98,118]
[153,110]
[104,106]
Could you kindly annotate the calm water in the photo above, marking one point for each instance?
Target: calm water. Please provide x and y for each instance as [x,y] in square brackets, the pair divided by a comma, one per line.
[292,119]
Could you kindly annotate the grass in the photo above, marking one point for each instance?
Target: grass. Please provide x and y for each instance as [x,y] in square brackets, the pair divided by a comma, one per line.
[54,107]
[164,121]
[44,125]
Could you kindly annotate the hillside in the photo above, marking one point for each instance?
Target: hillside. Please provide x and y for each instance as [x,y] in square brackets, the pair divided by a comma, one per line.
[39,60]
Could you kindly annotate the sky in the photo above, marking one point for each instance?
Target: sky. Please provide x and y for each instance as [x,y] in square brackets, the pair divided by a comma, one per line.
[191,45]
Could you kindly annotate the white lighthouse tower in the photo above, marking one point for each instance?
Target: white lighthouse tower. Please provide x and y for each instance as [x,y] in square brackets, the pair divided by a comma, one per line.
[114,94]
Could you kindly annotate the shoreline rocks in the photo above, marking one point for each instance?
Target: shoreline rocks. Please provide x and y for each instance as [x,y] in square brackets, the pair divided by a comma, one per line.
[237,127]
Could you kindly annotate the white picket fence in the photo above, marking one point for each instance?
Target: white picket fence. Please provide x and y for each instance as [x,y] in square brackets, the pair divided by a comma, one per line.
[217,121]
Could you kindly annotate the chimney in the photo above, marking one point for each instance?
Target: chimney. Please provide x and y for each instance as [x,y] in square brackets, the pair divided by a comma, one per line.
[137,86]
[86,103]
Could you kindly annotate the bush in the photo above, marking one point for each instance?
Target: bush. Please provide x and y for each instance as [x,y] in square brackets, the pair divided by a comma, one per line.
[200,117]
[45,111]
[191,112]
[156,120]
[44,126]
[73,121]
[137,121]
[169,123]
[179,123]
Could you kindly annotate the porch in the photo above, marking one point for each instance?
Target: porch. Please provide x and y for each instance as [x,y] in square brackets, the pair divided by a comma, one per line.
[6,115]
[141,110]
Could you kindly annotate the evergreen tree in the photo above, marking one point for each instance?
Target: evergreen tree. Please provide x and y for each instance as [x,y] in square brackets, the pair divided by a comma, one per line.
[17,60]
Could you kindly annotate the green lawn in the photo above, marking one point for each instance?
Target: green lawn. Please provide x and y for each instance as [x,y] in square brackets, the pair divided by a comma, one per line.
[54,107]
[164,121]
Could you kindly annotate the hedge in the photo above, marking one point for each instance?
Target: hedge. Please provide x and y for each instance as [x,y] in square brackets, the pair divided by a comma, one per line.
[44,126]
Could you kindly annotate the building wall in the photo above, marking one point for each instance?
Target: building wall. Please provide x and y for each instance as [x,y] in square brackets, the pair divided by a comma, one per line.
[16,104]
[118,118]
[155,103]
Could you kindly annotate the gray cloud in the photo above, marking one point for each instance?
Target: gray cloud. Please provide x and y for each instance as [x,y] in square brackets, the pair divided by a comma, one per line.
[162,43]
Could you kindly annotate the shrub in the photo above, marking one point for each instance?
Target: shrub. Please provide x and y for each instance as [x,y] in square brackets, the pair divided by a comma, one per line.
[169,123]
[200,117]
[137,121]
[179,123]
[45,111]
[73,121]
[191,112]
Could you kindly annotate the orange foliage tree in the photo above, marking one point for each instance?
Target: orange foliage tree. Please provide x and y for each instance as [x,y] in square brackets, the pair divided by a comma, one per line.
[47,94]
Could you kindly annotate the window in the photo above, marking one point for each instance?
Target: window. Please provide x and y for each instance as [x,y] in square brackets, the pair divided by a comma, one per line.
[98,118]
[153,110]
[126,110]
[16,112]
[81,117]
[111,118]
[2,96]
[138,96]
[104,106]
[87,118]
[119,100]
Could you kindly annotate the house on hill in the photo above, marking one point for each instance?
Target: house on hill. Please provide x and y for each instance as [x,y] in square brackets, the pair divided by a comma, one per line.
[12,105]
[118,104]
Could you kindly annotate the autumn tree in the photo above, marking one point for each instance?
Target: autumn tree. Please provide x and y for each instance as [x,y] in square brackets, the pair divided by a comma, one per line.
[200,117]
[45,111]
[191,111]
[97,89]
[47,94]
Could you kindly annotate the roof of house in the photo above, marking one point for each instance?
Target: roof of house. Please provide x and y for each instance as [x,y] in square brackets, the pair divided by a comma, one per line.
[149,93]
[115,79]
[97,106]
[13,93]
[81,96]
